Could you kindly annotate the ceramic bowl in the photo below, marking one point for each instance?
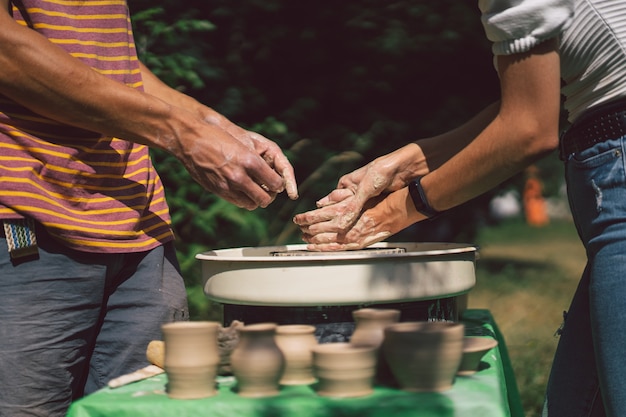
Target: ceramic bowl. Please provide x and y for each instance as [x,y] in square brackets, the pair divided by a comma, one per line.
[424,356]
[474,348]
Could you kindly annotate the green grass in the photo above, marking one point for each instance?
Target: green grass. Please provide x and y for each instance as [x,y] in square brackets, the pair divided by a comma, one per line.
[526,276]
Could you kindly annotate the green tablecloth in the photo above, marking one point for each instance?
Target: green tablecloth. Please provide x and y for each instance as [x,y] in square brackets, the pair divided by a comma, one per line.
[490,392]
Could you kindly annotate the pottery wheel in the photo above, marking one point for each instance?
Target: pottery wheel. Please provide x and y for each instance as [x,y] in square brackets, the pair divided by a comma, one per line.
[292,276]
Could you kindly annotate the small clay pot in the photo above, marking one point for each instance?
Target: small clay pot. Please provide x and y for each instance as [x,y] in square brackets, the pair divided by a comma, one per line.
[369,330]
[296,341]
[191,358]
[370,324]
[474,348]
[425,355]
[257,362]
[344,370]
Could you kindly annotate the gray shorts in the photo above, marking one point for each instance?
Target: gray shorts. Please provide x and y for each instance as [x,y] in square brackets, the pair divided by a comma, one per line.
[70,321]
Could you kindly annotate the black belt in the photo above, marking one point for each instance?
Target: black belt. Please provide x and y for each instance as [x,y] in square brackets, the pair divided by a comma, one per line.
[596,125]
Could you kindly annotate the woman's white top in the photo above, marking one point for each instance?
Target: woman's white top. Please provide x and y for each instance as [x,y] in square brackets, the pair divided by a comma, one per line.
[592,42]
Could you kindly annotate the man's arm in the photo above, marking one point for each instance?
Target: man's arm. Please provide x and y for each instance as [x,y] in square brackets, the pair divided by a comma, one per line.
[44,78]
[267,149]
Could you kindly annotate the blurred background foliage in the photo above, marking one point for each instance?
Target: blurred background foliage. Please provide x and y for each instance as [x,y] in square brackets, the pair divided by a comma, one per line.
[334,84]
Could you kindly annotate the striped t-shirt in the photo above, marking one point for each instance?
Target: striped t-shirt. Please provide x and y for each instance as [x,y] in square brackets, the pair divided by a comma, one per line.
[94,193]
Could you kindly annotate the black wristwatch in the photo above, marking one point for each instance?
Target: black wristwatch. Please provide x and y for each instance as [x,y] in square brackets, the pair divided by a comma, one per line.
[419,199]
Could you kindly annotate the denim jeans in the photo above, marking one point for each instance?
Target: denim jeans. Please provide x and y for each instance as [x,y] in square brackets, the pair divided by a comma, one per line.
[70,321]
[588,376]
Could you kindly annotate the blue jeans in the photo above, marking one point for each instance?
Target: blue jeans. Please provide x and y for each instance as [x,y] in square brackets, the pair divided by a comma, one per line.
[70,321]
[588,376]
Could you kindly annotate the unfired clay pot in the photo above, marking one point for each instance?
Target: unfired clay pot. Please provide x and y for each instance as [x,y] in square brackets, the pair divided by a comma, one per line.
[191,358]
[344,370]
[370,324]
[296,341]
[474,348]
[257,362]
[424,356]
[369,330]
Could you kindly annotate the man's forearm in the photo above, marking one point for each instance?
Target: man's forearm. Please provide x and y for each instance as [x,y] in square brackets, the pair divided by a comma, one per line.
[46,79]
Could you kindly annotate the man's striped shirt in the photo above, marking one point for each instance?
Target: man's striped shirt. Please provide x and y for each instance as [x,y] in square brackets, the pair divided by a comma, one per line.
[94,193]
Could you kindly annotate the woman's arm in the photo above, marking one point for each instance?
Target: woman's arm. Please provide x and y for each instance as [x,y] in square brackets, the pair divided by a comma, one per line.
[524,128]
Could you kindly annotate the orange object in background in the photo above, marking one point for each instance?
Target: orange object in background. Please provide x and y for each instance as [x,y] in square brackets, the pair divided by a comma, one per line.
[534,204]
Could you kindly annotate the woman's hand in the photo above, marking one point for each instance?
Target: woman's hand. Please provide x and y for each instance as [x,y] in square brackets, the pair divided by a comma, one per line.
[341,209]
[382,216]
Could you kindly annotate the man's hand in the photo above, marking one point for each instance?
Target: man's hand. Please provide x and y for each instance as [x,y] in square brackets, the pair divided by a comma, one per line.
[228,184]
[231,169]
[272,154]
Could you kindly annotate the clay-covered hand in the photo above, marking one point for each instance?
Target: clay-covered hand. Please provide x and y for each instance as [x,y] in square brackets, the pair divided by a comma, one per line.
[272,154]
[382,216]
[341,209]
[264,148]
[233,170]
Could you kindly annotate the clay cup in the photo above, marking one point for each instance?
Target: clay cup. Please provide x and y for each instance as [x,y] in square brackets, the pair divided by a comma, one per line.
[296,341]
[344,370]
[191,358]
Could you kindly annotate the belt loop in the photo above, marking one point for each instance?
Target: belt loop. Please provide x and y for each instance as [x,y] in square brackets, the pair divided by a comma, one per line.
[562,155]
[21,238]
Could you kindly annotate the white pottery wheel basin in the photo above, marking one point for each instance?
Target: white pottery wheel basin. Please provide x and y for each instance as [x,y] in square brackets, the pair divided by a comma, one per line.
[292,276]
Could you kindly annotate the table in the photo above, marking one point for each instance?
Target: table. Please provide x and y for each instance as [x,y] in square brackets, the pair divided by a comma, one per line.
[490,392]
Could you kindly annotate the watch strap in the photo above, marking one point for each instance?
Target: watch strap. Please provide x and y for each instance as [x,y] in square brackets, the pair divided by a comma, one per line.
[419,199]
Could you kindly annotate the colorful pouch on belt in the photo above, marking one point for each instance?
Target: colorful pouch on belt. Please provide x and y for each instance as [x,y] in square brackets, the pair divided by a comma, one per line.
[21,239]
